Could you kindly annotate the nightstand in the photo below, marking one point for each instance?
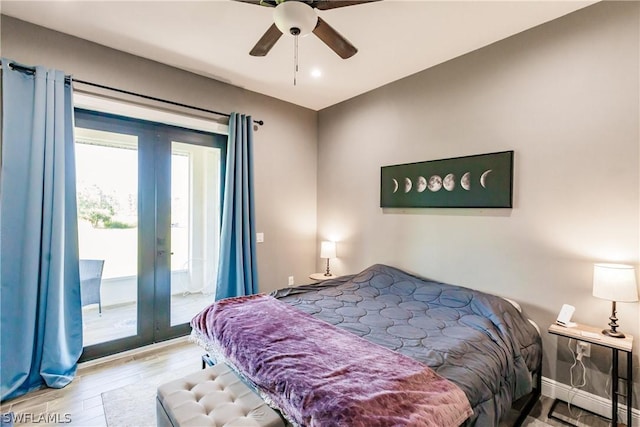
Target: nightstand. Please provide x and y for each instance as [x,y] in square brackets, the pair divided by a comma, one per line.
[320,277]
[595,336]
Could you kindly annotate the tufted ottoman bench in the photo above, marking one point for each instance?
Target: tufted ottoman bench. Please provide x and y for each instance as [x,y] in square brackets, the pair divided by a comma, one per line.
[212,397]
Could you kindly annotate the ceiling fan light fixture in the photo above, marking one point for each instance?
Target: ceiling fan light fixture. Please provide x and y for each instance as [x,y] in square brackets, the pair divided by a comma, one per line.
[295,18]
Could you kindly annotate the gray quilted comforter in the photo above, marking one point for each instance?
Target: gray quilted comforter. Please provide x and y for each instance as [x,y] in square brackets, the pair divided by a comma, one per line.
[480,342]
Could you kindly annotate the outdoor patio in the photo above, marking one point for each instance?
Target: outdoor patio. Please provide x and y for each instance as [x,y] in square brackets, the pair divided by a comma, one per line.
[120,320]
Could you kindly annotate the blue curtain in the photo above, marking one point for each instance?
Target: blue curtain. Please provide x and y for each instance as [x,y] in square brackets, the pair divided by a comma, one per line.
[41,317]
[237,265]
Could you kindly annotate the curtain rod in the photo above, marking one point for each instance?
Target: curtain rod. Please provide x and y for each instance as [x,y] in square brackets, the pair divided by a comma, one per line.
[126,92]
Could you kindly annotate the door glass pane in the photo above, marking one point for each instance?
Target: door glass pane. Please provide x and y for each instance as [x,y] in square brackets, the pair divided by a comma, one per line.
[195,228]
[107,193]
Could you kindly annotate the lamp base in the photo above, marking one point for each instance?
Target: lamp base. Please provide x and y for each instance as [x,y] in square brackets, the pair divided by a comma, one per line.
[613,334]
[327,273]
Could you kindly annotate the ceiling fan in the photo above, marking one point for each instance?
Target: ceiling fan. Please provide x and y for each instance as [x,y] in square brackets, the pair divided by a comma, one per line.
[297,17]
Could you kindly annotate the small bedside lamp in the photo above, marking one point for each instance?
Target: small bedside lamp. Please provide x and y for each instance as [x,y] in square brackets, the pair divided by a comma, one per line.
[614,282]
[328,251]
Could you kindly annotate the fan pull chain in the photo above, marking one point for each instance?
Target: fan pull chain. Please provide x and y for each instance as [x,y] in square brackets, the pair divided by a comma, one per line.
[295,60]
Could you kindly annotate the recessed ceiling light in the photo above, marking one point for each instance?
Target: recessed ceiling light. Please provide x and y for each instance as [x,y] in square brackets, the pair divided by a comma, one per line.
[316,73]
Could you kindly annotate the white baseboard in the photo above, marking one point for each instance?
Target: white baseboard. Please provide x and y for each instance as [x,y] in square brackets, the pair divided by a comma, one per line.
[588,401]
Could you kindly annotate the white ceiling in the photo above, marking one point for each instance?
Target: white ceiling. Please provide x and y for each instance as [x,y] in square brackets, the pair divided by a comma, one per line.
[395,38]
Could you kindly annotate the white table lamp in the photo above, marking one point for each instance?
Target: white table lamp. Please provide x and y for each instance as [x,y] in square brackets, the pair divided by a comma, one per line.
[614,282]
[328,251]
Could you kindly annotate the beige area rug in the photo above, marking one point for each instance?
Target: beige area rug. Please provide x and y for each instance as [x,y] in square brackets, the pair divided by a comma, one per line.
[135,405]
[532,422]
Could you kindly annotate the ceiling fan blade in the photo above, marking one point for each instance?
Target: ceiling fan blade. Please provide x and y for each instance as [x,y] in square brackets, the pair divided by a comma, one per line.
[270,3]
[266,42]
[334,4]
[334,40]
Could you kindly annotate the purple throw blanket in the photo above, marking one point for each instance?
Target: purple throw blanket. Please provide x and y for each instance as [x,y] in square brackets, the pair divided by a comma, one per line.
[320,375]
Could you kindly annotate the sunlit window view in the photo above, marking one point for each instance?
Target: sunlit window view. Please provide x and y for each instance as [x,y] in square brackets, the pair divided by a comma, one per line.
[107,194]
[195,228]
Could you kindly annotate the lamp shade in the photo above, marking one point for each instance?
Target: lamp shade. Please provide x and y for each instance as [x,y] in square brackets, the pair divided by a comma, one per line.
[327,249]
[615,282]
[295,18]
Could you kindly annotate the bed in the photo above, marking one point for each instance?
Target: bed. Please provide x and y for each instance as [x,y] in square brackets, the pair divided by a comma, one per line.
[479,342]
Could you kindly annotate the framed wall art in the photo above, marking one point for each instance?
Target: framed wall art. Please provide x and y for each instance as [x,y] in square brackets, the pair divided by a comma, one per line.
[479,181]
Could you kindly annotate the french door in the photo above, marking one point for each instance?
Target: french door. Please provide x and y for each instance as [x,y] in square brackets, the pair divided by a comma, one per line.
[149,202]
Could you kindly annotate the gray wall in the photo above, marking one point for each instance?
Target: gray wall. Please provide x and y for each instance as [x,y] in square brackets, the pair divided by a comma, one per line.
[285,161]
[564,96]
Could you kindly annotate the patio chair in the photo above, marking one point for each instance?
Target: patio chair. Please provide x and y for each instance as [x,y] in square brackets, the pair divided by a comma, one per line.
[90,279]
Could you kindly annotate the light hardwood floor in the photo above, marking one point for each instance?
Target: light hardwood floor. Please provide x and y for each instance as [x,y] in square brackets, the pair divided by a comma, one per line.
[82,399]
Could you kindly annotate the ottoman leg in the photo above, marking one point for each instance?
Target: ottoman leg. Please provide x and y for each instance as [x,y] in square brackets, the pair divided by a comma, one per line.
[162,419]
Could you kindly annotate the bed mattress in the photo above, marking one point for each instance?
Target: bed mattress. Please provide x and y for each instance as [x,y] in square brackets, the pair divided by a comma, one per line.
[480,342]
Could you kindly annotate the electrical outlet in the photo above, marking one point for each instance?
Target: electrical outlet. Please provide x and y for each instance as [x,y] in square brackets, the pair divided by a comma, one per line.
[291,283]
[583,348]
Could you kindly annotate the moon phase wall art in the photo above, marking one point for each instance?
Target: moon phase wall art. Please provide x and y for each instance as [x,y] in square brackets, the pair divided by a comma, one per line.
[479,181]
